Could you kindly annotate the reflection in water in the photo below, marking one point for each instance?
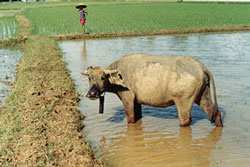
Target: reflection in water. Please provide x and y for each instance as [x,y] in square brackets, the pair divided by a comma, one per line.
[158,140]
[84,51]
[8,62]
[138,147]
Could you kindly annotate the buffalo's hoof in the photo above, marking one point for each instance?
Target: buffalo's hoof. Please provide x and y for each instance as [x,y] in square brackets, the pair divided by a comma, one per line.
[218,121]
[186,122]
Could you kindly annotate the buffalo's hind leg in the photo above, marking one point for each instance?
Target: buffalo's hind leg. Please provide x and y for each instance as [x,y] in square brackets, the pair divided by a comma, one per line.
[205,102]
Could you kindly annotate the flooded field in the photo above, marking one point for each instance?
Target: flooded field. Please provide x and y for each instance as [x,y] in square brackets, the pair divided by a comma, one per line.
[8,13]
[8,64]
[8,28]
[157,140]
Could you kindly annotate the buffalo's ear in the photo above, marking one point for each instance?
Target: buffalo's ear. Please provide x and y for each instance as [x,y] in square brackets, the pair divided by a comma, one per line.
[115,77]
[116,81]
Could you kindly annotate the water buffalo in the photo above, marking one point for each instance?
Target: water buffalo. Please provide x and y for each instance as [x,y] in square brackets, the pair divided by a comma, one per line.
[159,81]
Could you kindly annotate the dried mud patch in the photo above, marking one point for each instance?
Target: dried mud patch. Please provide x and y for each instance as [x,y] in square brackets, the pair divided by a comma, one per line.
[40,124]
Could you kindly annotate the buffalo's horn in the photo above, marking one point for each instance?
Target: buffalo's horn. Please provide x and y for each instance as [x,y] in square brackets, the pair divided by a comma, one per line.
[110,71]
[85,72]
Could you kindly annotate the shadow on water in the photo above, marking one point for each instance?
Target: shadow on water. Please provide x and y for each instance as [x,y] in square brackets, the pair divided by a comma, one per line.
[171,112]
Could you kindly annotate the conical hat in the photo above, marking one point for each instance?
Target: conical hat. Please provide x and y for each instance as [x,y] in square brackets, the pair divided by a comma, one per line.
[81,5]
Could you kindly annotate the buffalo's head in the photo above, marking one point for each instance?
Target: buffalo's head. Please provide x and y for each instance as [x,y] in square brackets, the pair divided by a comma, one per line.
[102,80]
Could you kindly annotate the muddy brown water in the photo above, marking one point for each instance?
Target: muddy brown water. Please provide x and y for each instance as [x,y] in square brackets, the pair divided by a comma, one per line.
[8,64]
[157,140]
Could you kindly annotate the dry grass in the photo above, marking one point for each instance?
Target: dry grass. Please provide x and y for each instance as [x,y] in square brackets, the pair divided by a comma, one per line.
[24,26]
[40,124]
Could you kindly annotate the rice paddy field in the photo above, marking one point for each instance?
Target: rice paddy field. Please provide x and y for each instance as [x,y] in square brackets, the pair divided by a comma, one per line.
[127,17]
[8,24]
[40,124]
[8,28]
[18,5]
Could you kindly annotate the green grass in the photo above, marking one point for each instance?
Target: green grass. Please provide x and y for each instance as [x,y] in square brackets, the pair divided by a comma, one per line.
[137,17]
[8,27]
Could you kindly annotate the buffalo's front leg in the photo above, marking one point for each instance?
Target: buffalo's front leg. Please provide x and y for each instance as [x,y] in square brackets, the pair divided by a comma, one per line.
[137,111]
[131,107]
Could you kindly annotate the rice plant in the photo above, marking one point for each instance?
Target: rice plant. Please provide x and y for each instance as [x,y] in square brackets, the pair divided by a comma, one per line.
[108,18]
[8,28]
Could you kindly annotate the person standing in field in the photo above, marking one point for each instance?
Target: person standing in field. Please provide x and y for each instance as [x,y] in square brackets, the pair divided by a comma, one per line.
[82,14]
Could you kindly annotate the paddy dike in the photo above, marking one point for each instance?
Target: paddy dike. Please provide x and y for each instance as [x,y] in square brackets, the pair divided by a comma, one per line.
[151,33]
[40,124]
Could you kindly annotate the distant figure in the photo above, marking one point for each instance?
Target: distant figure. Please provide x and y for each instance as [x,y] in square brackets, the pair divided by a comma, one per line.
[82,14]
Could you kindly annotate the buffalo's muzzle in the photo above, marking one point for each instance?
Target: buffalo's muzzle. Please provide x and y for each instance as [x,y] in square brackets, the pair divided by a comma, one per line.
[93,93]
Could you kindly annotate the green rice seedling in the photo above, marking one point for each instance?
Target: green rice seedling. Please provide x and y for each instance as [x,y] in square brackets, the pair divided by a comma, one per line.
[8,13]
[19,5]
[8,28]
[129,17]
[48,21]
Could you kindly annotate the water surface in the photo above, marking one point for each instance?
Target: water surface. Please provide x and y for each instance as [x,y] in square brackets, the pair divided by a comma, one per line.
[8,64]
[157,140]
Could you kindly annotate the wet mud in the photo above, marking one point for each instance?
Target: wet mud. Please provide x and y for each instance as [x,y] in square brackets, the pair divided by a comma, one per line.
[157,140]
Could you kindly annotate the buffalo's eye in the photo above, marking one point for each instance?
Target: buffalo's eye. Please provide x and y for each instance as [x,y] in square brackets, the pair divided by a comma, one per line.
[89,78]
[103,78]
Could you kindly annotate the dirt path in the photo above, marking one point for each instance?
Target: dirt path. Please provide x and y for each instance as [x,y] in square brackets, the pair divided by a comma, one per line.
[24,26]
[40,124]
